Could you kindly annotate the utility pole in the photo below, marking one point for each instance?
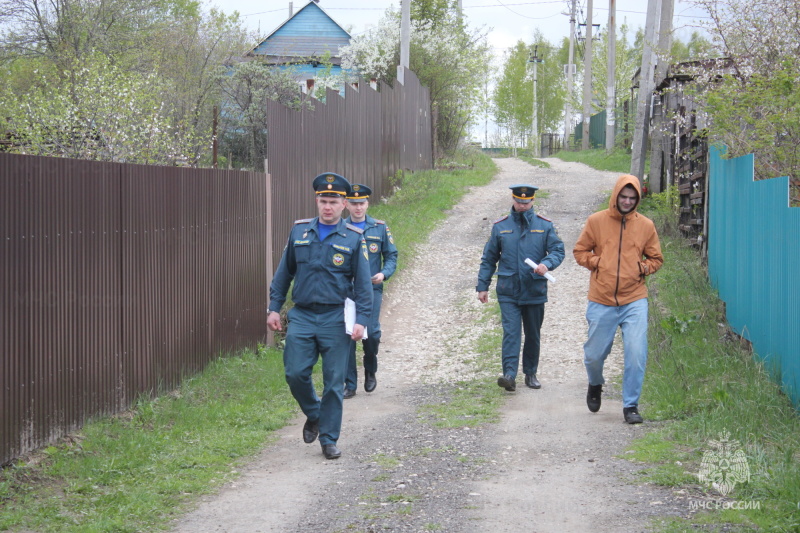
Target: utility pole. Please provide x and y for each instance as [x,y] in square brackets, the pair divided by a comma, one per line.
[611,85]
[535,127]
[646,85]
[405,39]
[570,73]
[664,45]
[587,77]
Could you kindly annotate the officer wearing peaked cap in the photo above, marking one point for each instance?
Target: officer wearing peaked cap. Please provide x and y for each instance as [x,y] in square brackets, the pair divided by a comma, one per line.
[382,262]
[327,259]
[521,290]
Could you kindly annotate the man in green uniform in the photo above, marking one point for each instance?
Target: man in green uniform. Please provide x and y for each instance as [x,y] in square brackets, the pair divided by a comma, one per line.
[327,259]
[521,289]
[382,264]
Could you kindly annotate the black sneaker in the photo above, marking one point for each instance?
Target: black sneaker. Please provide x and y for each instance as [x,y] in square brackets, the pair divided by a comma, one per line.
[593,397]
[507,382]
[632,415]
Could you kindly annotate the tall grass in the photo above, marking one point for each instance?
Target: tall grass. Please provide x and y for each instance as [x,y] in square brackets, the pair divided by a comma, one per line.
[131,472]
[703,381]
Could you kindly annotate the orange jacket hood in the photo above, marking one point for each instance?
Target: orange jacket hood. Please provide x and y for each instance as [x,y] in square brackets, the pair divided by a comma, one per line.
[619,251]
[622,182]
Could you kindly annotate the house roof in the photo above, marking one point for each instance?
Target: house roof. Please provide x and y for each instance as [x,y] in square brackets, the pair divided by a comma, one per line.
[310,32]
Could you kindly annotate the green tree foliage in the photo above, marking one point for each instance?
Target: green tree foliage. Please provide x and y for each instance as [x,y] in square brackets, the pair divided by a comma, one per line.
[99,113]
[513,96]
[698,47]
[172,51]
[244,117]
[755,106]
[444,54]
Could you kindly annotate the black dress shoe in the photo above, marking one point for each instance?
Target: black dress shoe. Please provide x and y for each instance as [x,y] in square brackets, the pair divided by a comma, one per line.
[310,431]
[330,451]
[507,382]
[532,382]
[369,381]
[349,393]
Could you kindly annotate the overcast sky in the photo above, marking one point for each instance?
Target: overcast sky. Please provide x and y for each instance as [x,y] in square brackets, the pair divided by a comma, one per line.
[506,21]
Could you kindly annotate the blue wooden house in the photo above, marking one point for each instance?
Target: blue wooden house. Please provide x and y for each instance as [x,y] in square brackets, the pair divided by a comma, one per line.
[302,42]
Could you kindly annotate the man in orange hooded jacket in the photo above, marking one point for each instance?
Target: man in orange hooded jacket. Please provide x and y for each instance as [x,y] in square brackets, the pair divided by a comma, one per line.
[620,247]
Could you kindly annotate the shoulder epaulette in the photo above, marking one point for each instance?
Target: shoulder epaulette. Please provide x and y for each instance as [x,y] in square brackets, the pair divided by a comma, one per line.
[544,218]
[303,220]
[380,221]
[352,227]
[502,218]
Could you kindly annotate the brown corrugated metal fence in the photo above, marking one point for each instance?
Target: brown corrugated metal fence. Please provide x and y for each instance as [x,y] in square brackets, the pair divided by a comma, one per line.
[118,281]
[367,136]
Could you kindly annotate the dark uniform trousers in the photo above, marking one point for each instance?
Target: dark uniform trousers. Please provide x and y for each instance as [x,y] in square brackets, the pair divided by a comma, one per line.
[324,274]
[311,333]
[370,345]
[531,317]
[382,258]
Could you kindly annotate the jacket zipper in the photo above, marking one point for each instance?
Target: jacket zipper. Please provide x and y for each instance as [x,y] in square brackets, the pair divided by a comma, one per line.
[619,259]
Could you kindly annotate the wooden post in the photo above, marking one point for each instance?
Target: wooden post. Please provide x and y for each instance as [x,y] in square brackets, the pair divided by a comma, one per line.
[570,74]
[664,45]
[268,236]
[405,39]
[587,78]
[611,76]
[646,83]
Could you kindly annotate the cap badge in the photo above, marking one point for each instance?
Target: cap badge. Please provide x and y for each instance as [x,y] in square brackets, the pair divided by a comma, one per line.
[356,187]
[330,178]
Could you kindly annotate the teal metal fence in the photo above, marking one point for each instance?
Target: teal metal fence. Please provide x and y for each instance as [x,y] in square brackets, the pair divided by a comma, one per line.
[754,263]
[597,131]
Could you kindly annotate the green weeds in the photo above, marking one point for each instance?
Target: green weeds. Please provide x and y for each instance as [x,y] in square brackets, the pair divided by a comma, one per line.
[132,472]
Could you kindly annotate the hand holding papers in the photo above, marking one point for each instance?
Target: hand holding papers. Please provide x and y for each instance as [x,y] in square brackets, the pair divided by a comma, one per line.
[350,317]
[533,265]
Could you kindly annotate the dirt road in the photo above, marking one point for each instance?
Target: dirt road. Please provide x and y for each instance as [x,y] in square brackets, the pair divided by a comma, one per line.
[548,465]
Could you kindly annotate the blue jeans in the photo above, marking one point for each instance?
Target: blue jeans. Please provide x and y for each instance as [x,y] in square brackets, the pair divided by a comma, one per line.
[603,322]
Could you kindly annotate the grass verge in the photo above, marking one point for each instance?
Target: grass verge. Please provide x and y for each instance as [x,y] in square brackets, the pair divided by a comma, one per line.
[725,416]
[617,161]
[136,471]
[131,472]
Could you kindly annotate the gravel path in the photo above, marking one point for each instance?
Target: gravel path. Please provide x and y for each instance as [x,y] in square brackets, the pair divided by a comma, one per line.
[547,465]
